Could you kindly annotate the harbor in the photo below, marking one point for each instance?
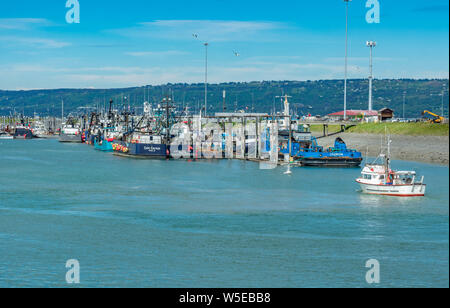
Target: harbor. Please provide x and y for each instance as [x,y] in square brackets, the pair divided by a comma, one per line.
[216,152]
[179,223]
[223,135]
[161,132]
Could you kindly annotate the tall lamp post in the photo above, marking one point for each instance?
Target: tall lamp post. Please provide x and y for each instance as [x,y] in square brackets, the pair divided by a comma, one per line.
[346,58]
[442,100]
[206,78]
[371,45]
[404,101]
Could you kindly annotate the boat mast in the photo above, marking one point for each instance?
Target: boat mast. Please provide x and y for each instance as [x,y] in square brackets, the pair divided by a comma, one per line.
[388,154]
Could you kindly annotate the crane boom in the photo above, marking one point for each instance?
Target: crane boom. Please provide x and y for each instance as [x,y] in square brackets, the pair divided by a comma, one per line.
[437,118]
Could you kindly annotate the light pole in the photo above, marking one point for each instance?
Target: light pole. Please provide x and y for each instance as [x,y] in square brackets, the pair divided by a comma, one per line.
[404,100]
[346,58]
[371,45]
[206,77]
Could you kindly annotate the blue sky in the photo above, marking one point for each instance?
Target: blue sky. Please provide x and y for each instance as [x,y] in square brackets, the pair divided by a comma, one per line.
[137,42]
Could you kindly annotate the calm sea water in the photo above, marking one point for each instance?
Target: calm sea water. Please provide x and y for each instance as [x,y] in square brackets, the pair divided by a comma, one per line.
[134,223]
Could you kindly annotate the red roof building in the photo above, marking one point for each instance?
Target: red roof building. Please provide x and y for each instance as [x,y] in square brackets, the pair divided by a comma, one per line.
[355,113]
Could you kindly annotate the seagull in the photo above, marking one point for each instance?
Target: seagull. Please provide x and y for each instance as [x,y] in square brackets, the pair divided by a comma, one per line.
[236,53]
[195,35]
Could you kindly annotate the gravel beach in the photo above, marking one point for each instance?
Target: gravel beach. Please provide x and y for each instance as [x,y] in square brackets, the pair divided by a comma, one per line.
[429,149]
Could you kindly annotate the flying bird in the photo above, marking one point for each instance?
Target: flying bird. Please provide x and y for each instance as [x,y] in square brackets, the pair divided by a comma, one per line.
[195,35]
[236,53]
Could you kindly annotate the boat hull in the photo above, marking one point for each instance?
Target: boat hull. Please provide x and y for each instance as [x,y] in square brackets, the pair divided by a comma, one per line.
[410,190]
[23,133]
[104,146]
[70,138]
[140,150]
[331,162]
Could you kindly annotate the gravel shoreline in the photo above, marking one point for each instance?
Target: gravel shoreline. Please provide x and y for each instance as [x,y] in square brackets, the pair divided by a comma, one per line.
[428,149]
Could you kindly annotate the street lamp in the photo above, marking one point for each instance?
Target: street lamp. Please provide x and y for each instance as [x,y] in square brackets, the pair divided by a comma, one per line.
[371,45]
[346,58]
[195,36]
[404,101]
[442,100]
[206,77]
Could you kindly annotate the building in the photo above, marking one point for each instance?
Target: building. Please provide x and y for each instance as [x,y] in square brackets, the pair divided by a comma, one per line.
[355,115]
[385,114]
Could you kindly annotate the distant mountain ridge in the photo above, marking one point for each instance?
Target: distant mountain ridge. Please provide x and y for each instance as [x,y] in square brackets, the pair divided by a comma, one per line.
[308,97]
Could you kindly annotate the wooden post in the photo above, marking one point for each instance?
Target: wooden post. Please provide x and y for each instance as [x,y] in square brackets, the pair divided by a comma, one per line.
[290,139]
[244,122]
[325,130]
[257,138]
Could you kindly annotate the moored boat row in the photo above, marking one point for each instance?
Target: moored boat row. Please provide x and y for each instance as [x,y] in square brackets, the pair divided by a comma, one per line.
[160,133]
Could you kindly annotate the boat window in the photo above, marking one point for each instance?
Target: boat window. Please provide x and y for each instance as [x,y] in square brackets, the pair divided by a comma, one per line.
[381,177]
[367,177]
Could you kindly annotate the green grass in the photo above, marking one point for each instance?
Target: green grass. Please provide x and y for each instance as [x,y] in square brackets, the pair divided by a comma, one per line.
[410,129]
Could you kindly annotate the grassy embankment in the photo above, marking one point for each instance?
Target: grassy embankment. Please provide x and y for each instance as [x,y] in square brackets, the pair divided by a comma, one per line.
[409,129]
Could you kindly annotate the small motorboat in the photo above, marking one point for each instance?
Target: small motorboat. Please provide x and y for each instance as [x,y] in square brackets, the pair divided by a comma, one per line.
[5,136]
[378,178]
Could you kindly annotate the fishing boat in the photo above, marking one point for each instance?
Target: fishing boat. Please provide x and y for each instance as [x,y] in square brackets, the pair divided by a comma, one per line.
[104,140]
[70,132]
[23,132]
[150,137]
[377,178]
[141,146]
[5,136]
[104,145]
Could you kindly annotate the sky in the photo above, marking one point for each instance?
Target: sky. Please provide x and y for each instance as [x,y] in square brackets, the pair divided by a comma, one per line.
[140,42]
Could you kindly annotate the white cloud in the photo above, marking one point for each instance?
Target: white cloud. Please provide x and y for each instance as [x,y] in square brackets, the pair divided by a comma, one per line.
[33,42]
[123,76]
[360,59]
[22,23]
[48,76]
[207,30]
[155,53]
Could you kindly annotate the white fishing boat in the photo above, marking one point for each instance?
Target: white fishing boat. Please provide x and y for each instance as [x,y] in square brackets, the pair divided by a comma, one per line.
[39,130]
[5,136]
[378,178]
[70,133]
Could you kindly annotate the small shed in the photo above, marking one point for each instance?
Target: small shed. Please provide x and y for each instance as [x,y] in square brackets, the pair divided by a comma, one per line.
[386,114]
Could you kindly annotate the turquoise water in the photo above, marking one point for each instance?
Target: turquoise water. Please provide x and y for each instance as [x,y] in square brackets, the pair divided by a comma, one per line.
[144,223]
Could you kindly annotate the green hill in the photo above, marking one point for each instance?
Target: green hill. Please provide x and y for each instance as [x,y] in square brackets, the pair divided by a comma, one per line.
[308,97]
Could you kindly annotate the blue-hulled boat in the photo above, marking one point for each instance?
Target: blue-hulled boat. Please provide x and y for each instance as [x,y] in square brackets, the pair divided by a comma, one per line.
[149,149]
[307,152]
[337,156]
[105,145]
